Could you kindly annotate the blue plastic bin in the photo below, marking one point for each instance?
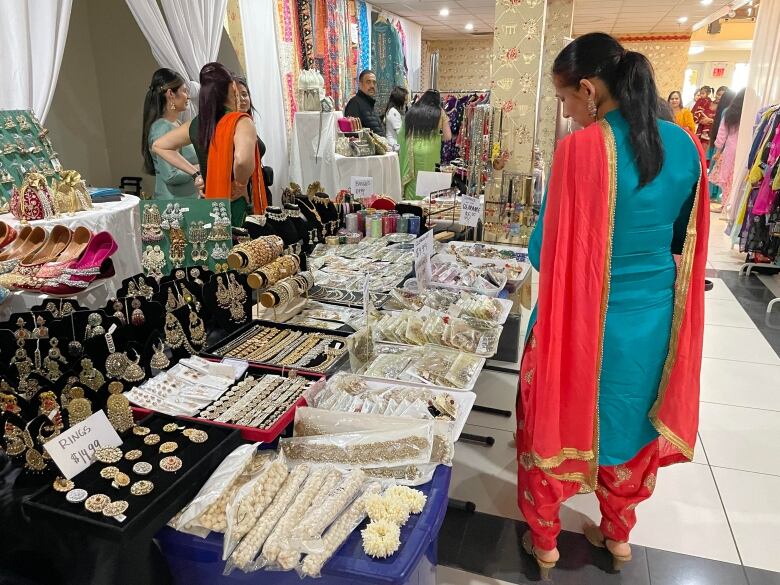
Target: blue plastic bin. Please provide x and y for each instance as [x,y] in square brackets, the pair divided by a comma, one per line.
[197,561]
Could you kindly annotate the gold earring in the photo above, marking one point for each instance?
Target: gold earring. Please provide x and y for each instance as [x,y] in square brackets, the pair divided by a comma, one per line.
[593,109]
[172,106]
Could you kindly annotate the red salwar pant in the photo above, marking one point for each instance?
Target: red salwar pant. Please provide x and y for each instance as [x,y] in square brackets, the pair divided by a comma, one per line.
[620,487]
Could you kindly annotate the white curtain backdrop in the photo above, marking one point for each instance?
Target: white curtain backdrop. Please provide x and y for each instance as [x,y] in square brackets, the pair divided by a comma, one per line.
[32,41]
[188,40]
[413,52]
[265,83]
[763,88]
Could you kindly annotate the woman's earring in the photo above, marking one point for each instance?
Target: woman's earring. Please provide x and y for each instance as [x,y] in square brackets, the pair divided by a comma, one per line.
[593,110]
[172,106]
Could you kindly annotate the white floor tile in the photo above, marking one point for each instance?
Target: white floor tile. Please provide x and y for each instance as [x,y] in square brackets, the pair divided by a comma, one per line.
[740,438]
[496,390]
[684,515]
[726,312]
[740,384]
[735,343]
[721,265]
[719,291]
[699,454]
[485,475]
[449,576]
[750,500]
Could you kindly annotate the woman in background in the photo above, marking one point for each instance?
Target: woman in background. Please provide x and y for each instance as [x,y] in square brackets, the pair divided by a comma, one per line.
[396,107]
[246,106]
[225,140]
[723,159]
[166,98]
[609,383]
[703,115]
[724,100]
[682,116]
[425,126]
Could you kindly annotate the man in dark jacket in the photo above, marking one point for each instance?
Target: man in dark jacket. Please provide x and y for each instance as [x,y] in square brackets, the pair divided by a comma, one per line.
[362,105]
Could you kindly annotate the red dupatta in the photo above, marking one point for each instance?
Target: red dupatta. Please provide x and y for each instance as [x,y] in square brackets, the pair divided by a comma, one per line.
[559,417]
[219,179]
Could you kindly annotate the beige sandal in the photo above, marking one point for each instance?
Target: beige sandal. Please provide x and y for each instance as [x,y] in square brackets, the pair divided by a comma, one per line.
[596,538]
[544,566]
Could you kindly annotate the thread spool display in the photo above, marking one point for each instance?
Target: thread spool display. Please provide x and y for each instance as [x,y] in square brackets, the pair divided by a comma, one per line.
[414,224]
[375,228]
[352,223]
[402,225]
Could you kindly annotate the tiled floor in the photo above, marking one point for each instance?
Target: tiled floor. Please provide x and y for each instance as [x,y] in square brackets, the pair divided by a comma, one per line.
[713,522]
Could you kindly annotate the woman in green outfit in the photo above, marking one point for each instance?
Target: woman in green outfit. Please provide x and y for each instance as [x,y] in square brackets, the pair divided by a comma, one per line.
[167,97]
[425,126]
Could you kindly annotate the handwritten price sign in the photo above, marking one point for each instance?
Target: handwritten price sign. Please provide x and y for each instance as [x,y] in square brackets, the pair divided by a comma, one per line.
[73,450]
[470,211]
[361,186]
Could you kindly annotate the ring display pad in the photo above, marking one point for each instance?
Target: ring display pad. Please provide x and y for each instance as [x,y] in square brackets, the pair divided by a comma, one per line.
[145,514]
[24,147]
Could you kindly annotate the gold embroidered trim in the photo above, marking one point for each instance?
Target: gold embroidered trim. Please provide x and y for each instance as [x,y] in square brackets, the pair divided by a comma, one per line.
[681,288]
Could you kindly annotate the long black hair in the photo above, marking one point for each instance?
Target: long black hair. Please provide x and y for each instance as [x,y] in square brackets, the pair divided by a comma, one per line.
[215,82]
[397,99]
[155,104]
[733,114]
[629,77]
[424,116]
[723,104]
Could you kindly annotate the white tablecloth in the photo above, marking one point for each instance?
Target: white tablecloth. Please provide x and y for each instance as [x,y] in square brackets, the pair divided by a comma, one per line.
[384,168]
[313,158]
[122,219]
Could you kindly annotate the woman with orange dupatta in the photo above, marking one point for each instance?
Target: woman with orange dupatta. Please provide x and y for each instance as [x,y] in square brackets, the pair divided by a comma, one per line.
[609,384]
[225,141]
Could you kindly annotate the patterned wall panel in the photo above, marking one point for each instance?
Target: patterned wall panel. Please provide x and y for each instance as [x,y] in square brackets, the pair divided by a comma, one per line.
[463,65]
[516,58]
[558,26]
[667,53]
[233,26]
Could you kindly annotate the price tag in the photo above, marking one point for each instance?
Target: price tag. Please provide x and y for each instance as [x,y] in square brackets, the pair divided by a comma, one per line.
[361,186]
[470,210]
[423,250]
[73,450]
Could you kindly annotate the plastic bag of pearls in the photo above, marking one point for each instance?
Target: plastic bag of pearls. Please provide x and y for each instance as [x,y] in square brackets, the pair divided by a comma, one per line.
[278,549]
[251,501]
[243,557]
[318,519]
[338,532]
[207,511]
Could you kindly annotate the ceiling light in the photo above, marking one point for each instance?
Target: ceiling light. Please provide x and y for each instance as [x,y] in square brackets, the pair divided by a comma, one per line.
[706,2]
[695,50]
[682,19]
[446,11]
[469,26]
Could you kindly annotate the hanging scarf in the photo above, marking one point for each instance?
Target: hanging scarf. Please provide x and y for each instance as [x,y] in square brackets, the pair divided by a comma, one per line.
[364,37]
[288,58]
[219,180]
[559,405]
[307,34]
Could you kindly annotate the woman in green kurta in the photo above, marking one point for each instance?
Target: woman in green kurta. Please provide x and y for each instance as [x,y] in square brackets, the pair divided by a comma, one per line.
[425,126]
[166,98]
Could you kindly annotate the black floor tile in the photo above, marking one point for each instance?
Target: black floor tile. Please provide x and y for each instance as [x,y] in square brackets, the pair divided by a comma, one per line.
[761,577]
[667,568]
[754,296]
[452,534]
[491,546]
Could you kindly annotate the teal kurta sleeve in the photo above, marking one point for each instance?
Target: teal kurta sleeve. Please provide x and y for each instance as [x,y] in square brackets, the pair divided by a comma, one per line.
[168,173]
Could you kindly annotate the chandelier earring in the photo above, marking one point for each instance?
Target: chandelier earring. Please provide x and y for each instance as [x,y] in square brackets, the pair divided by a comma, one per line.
[593,109]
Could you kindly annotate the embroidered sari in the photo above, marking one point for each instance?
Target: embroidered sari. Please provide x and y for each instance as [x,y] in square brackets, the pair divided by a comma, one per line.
[558,403]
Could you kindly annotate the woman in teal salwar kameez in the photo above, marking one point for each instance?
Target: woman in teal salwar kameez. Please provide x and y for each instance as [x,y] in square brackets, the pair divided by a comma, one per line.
[609,381]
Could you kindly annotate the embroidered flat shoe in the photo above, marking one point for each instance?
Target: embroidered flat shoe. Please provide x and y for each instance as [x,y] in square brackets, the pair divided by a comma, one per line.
[596,538]
[7,234]
[90,267]
[30,239]
[544,566]
[57,240]
[51,270]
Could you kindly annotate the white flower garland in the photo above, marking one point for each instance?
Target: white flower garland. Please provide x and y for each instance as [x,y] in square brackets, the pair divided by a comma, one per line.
[381,539]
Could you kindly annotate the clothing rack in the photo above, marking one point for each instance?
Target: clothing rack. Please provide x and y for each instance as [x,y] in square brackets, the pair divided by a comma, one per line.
[458,92]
